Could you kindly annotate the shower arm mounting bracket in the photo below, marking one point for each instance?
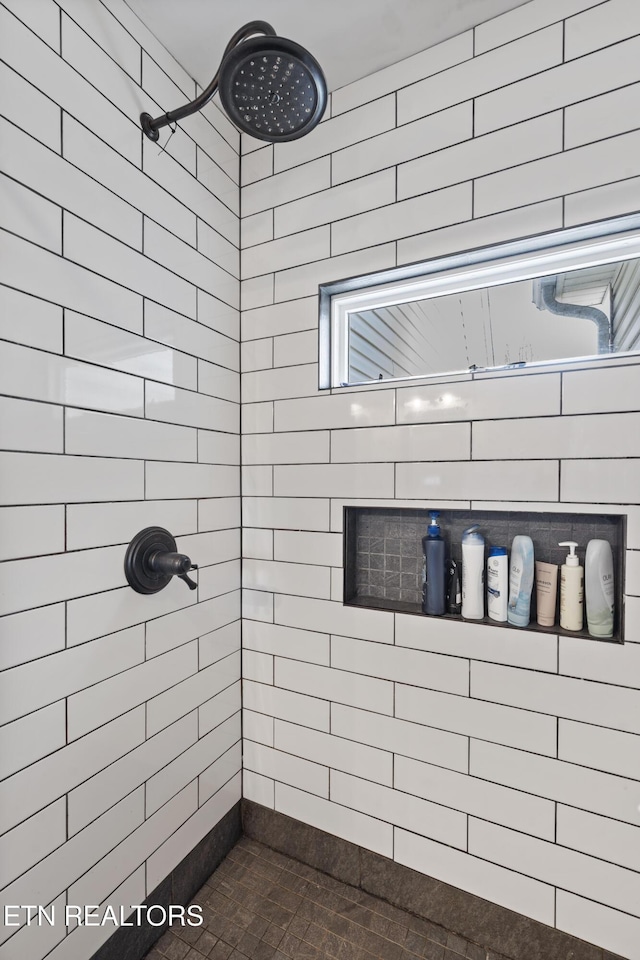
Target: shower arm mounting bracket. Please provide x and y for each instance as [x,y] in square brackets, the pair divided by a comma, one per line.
[151,126]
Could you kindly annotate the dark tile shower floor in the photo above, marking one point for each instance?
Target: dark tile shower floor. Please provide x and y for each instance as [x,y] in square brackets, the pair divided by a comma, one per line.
[261,905]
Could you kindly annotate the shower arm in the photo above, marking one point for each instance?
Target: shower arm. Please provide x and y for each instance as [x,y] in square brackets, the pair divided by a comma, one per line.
[151,126]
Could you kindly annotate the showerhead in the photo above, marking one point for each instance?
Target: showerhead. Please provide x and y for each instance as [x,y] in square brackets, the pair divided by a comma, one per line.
[271,88]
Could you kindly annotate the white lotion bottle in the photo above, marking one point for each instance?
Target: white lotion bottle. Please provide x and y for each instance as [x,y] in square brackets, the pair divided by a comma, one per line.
[472,573]
[571,589]
[599,588]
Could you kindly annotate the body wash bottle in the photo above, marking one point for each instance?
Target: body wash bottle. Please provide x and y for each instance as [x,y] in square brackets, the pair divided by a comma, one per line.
[546,592]
[599,588]
[520,581]
[497,584]
[571,589]
[433,601]
[472,573]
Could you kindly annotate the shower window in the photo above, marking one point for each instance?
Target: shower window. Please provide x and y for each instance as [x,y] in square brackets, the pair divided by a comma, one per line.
[562,297]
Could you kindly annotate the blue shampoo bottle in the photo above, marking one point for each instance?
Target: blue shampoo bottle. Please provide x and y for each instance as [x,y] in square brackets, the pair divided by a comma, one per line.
[433,600]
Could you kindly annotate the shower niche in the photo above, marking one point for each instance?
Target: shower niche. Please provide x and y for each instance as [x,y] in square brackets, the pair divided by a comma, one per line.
[383,558]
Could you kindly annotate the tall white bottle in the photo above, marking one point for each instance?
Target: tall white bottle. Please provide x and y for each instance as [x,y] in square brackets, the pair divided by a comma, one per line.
[571,589]
[473,573]
[599,588]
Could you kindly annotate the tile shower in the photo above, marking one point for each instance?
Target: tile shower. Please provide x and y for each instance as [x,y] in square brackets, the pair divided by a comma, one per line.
[491,764]
[499,761]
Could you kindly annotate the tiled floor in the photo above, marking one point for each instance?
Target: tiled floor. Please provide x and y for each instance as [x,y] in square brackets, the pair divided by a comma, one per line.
[262,905]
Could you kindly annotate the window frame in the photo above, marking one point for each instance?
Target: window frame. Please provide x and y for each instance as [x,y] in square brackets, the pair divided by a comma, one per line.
[543,254]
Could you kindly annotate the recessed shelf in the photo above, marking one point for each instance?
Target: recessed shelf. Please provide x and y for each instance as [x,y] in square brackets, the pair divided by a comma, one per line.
[383,555]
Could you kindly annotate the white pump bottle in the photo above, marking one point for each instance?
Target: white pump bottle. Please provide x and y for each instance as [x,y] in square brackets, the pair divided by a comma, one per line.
[571,590]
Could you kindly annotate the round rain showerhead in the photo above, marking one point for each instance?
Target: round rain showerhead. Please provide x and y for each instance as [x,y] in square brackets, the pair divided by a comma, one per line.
[272,89]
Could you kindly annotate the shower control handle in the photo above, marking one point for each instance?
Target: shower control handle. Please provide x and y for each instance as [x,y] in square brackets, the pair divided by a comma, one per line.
[171,564]
[189,582]
[152,560]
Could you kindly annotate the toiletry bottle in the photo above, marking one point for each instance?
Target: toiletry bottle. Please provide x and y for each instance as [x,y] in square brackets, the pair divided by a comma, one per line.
[433,601]
[599,588]
[520,581]
[497,584]
[546,592]
[454,588]
[571,589]
[472,574]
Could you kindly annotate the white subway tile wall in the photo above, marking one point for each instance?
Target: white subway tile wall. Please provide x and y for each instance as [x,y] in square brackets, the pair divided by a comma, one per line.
[120,363]
[500,761]
[505,763]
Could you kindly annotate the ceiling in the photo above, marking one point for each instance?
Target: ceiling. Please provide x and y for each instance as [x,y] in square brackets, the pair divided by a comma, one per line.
[350,38]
